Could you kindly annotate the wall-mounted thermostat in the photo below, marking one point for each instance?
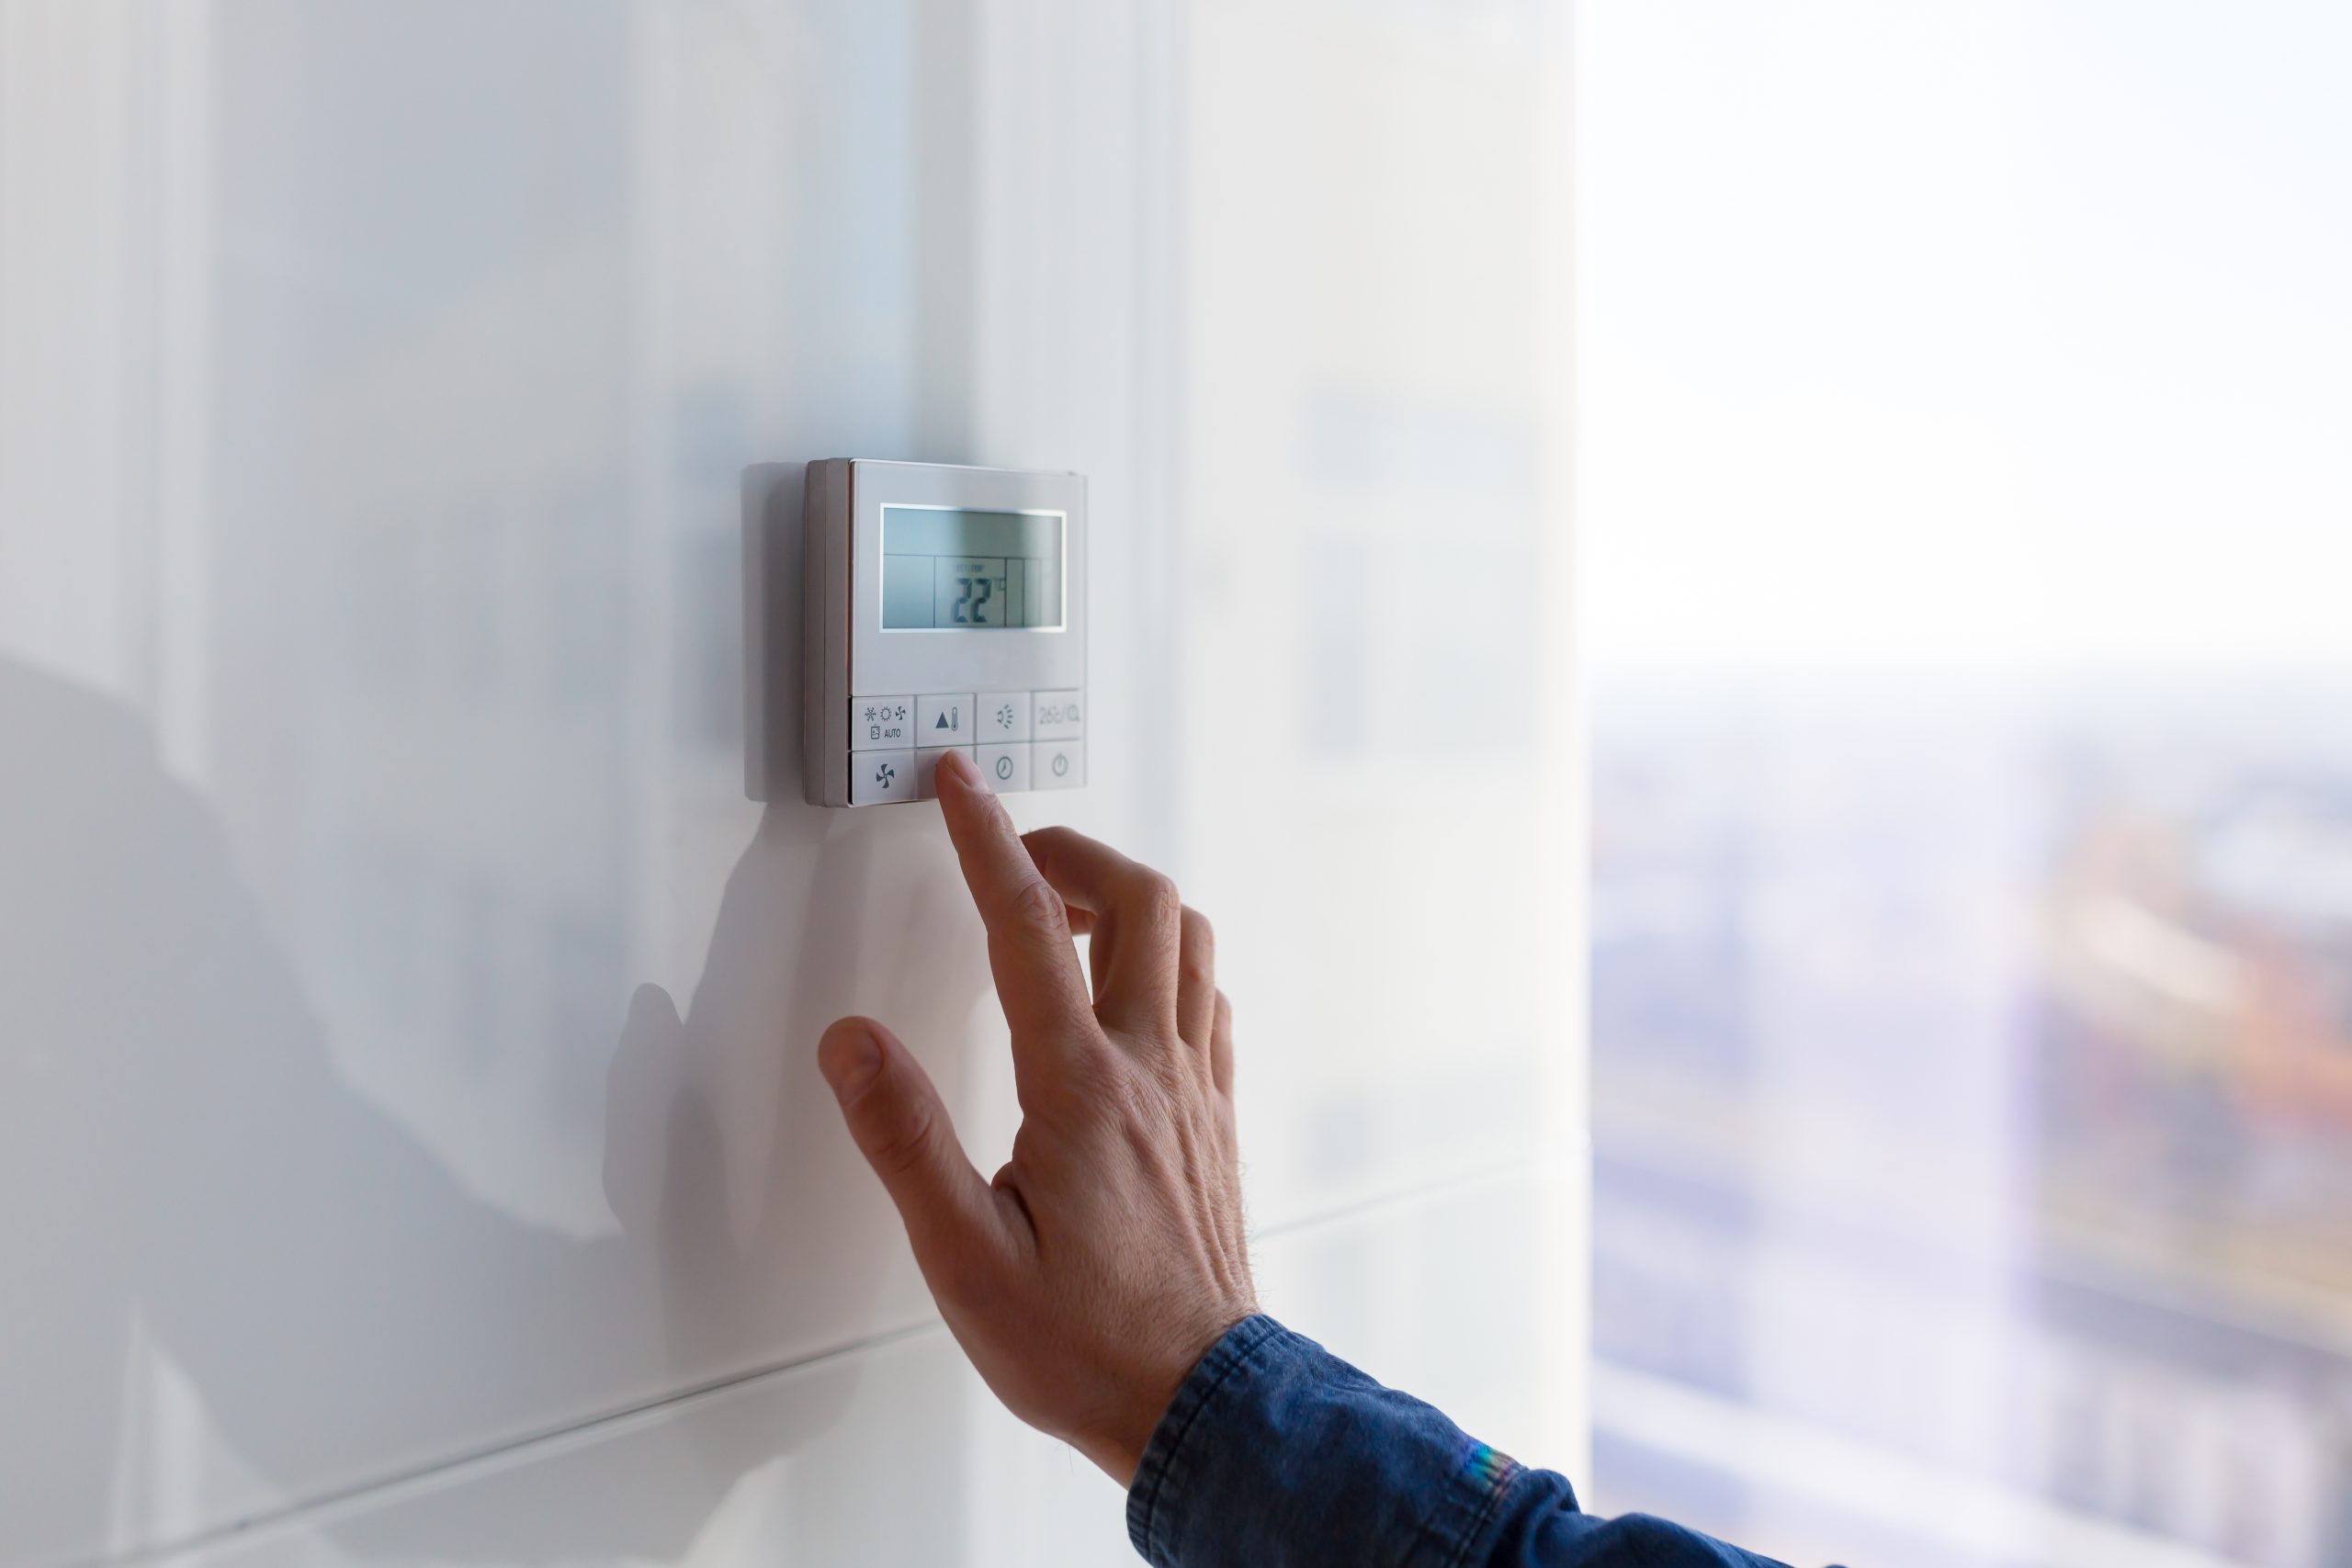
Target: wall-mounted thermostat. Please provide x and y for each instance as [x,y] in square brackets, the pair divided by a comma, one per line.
[943,608]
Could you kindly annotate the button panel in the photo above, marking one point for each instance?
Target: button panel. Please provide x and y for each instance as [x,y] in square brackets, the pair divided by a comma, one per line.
[1021,740]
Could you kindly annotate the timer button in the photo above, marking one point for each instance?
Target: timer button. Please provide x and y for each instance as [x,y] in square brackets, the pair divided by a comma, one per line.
[878,778]
[1006,768]
[927,769]
[944,720]
[1061,716]
[1002,716]
[881,724]
[1058,764]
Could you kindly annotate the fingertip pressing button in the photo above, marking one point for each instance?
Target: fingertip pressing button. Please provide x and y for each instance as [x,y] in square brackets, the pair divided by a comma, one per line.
[927,769]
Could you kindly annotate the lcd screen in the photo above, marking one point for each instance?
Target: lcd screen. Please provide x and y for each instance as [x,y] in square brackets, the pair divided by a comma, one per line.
[948,569]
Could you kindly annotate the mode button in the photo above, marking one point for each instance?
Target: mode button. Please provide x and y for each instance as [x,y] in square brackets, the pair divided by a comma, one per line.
[881,724]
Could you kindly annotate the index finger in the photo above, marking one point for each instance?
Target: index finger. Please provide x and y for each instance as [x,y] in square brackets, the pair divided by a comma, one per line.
[1030,950]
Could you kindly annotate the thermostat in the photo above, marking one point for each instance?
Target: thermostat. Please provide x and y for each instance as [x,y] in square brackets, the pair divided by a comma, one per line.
[943,609]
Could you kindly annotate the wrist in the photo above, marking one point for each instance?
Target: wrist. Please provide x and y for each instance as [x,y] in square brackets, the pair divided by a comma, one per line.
[1117,1444]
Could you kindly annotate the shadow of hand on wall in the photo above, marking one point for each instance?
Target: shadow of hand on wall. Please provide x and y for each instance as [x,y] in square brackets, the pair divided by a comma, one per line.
[766,1237]
[769,1233]
[237,1283]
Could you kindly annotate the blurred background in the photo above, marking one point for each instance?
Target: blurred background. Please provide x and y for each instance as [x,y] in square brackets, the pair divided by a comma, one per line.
[1965,506]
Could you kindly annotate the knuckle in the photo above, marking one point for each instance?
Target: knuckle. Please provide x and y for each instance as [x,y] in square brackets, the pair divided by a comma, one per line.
[904,1141]
[1036,904]
[997,822]
[1157,900]
[1197,963]
[1044,841]
[992,807]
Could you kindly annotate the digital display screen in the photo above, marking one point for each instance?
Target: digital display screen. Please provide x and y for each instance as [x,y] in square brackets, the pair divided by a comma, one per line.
[948,569]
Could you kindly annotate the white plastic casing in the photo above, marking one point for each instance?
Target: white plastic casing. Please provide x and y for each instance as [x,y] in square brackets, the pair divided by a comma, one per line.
[847,655]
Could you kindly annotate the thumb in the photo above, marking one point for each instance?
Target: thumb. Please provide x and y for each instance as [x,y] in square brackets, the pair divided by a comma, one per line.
[899,1122]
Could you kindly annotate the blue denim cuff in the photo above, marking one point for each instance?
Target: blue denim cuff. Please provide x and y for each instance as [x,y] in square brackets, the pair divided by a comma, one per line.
[1275,1453]
[1168,1464]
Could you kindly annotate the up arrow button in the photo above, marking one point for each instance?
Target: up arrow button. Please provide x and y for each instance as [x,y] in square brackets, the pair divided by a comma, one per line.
[944,720]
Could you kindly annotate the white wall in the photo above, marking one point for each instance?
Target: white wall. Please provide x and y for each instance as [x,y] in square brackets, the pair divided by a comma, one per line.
[408,1139]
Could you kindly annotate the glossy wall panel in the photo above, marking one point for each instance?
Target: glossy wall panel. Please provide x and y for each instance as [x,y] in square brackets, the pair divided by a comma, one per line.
[406,1024]
[1381,805]
[897,1454]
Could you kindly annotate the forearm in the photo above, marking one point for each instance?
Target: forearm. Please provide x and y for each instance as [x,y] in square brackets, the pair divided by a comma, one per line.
[1275,1452]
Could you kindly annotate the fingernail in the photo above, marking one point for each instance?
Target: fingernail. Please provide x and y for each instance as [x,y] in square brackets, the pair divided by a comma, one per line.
[966,772]
[849,1056]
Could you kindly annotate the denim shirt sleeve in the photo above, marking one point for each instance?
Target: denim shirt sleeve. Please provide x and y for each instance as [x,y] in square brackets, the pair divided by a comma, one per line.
[1276,1452]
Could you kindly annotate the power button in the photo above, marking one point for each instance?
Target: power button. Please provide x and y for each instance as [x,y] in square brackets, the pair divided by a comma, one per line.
[1058,764]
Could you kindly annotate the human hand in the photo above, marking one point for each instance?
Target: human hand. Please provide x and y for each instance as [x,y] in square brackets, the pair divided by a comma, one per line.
[1107,1255]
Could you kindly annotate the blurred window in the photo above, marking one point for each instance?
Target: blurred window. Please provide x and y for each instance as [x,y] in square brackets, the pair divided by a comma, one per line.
[1967,514]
